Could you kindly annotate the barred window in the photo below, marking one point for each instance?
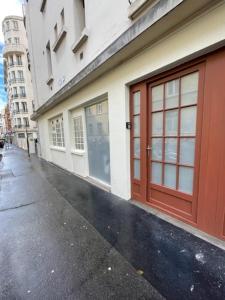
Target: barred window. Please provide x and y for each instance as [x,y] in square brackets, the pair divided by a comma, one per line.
[78,133]
[57,132]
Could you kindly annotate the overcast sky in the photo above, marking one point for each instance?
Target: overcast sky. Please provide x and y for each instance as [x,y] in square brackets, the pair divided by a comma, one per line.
[7,7]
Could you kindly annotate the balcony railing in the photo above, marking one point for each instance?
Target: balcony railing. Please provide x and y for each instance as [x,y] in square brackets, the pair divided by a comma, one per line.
[16,80]
[15,64]
[20,111]
[13,48]
[21,126]
[23,95]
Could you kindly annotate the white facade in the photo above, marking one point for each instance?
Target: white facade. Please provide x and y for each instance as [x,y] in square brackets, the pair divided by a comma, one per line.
[18,81]
[177,39]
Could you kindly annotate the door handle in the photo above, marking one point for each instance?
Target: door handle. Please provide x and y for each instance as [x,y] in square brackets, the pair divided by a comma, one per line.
[148,149]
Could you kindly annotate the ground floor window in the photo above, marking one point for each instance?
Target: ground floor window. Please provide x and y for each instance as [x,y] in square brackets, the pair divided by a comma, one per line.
[57,132]
[21,135]
[78,133]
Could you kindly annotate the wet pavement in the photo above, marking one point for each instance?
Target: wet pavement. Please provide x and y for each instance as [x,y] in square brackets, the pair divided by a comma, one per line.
[63,238]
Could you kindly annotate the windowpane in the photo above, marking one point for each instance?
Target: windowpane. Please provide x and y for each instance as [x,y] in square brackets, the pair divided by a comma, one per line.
[137,169]
[188,121]
[171,123]
[157,97]
[157,124]
[186,180]
[171,150]
[136,125]
[136,103]
[78,133]
[172,94]
[157,148]
[187,151]
[156,173]
[189,89]
[137,147]
[170,176]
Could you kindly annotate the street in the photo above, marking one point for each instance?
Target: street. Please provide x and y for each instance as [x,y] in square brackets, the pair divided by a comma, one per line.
[63,238]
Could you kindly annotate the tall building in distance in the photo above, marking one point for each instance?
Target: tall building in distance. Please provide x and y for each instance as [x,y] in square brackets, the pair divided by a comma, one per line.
[18,81]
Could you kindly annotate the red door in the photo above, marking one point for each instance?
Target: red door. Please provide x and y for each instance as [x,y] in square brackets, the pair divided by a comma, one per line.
[165,141]
[174,140]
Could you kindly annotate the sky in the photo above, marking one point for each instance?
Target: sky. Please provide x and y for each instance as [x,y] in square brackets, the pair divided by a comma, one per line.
[7,7]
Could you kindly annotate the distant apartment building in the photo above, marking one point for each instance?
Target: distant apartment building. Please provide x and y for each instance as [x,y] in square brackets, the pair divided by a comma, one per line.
[17,79]
[6,121]
[130,95]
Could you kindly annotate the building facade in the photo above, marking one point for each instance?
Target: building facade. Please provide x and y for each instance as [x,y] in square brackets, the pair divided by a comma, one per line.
[130,94]
[18,81]
[6,121]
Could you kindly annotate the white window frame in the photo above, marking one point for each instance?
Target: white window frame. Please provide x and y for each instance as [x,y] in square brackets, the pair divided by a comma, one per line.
[78,133]
[57,132]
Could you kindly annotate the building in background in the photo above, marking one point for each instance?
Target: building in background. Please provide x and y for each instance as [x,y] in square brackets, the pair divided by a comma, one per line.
[18,84]
[130,94]
[6,120]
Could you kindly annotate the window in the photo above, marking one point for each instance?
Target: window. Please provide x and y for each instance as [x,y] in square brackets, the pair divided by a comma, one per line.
[78,133]
[62,18]
[24,107]
[7,25]
[99,108]
[49,59]
[22,91]
[15,94]
[56,31]
[57,132]
[79,17]
[26,122]
[11,63]
[19,60]
[16,40]
[13,75]
[15,25]
[17,107]
[9,41]
[21,135]
[19,122]
[20,74]
[174,111]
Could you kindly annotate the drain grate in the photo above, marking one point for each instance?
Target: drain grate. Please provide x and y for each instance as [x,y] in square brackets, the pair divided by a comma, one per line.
[6,174]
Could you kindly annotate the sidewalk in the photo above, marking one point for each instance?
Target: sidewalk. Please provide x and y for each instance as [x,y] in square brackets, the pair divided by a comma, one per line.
[70,240]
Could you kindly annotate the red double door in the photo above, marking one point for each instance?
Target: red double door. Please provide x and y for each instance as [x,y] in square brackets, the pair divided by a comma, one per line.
[171,162]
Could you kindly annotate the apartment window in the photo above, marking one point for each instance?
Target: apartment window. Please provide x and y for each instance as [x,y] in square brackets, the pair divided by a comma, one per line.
[16,40]
[26,122]
[15,94]
[9,41]
[20,75]
[62,18]
[56,31]
[7,25]
[49,59]
[57,132]
[79,16]
[78,133]
[24,106]
[21,135]
[22,91]
[13,75]
[17,107]
[15,25]
[11,63]
[19,60]
[19,123]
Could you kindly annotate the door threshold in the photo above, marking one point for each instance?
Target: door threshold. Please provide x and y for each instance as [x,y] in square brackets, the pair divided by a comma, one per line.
[200,234]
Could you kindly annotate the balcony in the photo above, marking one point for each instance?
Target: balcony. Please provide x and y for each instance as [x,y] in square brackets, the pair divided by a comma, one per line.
[15,64]
[20,111]
[21,126]
[13,48]
[16,80]
[16,96]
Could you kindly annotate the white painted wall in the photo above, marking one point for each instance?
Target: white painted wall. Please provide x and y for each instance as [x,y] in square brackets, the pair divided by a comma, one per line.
[185,41]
